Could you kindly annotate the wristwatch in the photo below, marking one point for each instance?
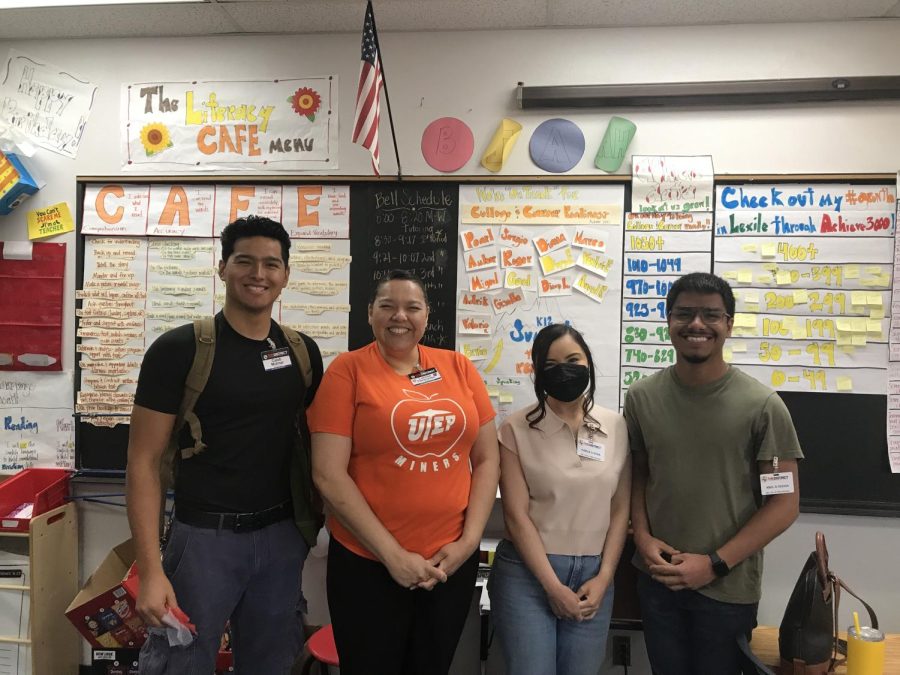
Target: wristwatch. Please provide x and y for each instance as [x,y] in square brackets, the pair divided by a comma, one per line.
[720,567]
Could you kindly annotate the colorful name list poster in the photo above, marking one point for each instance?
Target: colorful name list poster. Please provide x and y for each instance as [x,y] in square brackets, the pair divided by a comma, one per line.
[659,248]
[811,266]
[258,125]
[136,286]
[530,256]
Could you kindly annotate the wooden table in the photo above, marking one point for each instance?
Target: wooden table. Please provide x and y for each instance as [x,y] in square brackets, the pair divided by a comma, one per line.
[765,646]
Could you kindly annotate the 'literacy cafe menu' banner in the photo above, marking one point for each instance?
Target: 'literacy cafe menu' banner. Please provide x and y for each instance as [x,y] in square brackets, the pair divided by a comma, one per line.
[261,125]
[811,270]
[532,255]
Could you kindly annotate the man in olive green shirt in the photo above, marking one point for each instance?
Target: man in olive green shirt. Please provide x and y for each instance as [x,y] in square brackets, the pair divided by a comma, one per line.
[702,433]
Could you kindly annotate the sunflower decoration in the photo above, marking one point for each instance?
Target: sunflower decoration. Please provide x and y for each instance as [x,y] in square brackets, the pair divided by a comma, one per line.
[306,101]
[155,138]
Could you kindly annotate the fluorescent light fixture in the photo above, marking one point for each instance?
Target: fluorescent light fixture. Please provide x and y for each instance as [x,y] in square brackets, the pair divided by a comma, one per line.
[736,92]
[29,4]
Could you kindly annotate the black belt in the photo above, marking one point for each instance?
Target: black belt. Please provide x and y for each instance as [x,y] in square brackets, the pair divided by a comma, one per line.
[237,522]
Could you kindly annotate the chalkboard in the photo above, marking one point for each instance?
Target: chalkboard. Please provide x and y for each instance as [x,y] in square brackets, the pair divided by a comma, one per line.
[846,468]
[409,226]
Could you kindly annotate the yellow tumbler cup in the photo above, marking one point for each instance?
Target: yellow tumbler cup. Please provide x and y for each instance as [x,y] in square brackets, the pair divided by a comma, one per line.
[865,651]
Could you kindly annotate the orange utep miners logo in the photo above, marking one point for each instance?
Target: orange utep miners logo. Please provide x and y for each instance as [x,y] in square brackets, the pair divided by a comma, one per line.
[427,428]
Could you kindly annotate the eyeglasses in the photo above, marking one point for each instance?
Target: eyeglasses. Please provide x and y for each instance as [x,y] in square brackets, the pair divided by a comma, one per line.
[708,315]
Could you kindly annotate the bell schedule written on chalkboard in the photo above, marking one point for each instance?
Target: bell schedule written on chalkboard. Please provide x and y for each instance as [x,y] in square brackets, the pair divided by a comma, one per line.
[410,227]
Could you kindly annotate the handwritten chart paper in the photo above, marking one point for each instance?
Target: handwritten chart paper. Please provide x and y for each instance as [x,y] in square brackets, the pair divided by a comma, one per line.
[893,421]
[659,248]
[530,256]
[306,211]
[671,184]
[811,267]
[47,104]
[36,424]
[256,125]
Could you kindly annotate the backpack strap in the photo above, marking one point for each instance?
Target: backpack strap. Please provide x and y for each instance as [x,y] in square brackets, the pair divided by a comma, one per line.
[205,342]
[205,334]
[301,354]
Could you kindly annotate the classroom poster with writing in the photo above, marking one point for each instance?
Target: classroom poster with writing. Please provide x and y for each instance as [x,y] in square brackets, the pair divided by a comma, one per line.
[37,427]
[893,419]
[811,267]
[659,248]
[136,287]
[263,125]
[671,184]
[529,256]
[45,103]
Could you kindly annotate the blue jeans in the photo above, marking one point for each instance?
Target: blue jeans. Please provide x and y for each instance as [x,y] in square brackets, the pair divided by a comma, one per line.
[251,578]
[689,634]
[534,641]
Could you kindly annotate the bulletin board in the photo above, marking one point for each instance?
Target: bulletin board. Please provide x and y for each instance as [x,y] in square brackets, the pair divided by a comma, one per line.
[416,224]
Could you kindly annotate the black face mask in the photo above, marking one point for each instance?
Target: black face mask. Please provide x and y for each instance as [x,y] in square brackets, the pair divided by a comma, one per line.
[566,381]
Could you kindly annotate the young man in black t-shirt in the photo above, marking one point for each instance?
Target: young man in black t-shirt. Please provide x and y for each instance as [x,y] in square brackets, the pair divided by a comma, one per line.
[233,551]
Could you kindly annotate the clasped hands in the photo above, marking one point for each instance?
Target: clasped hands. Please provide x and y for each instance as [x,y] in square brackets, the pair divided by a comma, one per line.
[413,571]
[672,568]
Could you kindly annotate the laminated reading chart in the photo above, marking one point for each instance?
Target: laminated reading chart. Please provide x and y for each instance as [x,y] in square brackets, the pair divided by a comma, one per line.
[811,268]
[529,256]
[667,234]
[151,255]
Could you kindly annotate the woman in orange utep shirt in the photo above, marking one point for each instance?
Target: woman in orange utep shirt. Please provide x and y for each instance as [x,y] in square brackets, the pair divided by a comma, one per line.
[405,455]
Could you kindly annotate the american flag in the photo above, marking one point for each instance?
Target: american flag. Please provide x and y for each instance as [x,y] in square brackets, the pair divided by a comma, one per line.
[368,96]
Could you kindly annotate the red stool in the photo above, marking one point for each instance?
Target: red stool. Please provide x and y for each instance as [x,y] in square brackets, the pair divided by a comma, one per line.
[322,650]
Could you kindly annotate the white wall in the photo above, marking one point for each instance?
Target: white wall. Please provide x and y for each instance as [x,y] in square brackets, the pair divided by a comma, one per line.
[472,75]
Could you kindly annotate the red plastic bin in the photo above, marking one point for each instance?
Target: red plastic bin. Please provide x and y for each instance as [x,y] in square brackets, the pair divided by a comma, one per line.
[45,488]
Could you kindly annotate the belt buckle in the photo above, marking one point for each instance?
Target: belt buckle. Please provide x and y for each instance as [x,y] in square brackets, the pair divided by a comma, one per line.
[244,522]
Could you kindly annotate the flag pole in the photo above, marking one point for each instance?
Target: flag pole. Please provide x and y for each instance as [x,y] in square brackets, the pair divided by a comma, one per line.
[387,99]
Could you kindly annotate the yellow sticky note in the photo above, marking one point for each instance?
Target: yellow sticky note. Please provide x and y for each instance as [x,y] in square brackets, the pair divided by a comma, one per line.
[771,267]
[801,297]
[745,276]
[769,249]
[873,326]
[843,325]
[493,392]
[844,383]
[743,320]
[870,282]
[49,221]
[851,271]
[726,354]
[876,313]
[751,297]
[749,248]
[858,340]
[739,347]
[873,269]
[501,145]
[843,340]
[731,274]
[782,277]
[874,300]
[858,325]
[857,297]
[506,398]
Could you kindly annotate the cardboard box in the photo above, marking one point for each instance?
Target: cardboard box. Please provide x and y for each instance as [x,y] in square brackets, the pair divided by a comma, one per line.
[17,182]
[104,610]
[114,661]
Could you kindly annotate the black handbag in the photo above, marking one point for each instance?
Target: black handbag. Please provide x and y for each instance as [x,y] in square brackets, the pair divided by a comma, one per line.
[807,638]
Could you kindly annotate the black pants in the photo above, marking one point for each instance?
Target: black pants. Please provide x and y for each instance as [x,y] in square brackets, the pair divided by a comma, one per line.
[381,628]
